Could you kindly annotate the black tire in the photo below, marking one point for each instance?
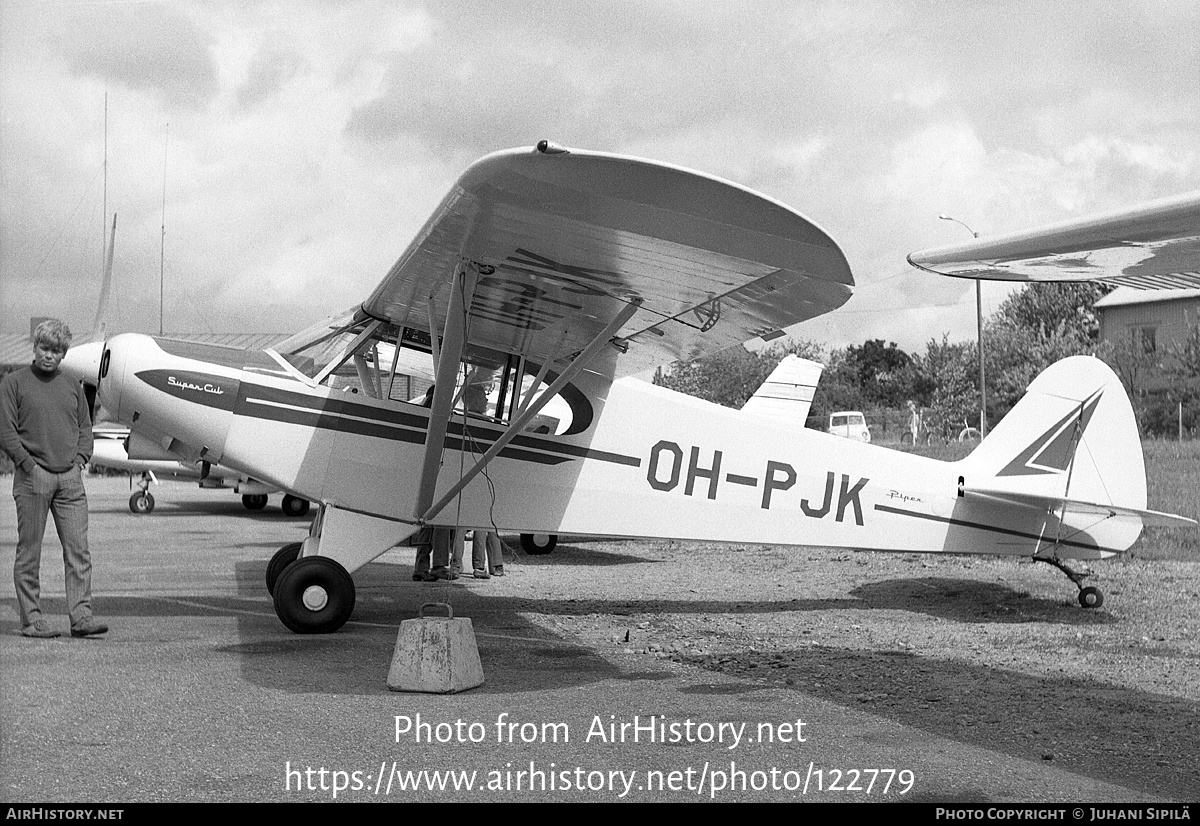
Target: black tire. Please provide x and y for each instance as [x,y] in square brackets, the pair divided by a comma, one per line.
[141,502]
[314,595]
[969,434]
[1090,597]
[538,544]
[284,557]
[294,505]
[254,501]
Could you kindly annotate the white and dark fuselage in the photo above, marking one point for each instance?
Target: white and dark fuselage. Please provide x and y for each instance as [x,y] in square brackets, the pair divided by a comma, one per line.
[638,460]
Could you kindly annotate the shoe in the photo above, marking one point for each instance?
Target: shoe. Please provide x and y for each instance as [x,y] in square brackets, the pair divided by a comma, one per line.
[482,574]
[39,629]
[424,577]
[498,570]
[90,627]
[443,574]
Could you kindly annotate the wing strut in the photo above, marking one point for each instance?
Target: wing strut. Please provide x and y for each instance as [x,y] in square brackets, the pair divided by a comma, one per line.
[448,357]
[526,416]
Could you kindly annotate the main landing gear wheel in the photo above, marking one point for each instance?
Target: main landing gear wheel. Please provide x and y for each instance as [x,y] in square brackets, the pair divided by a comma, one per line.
[314,595]
[141,502]
[1091,597]
[254,501]
[294,505]
[284,557]
[538,544]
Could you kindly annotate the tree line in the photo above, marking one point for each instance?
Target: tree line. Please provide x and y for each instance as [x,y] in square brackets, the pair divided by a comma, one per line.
[1033,328]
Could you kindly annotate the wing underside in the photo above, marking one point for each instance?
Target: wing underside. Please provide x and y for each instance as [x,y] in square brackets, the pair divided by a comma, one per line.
[1156,246]
[564,241]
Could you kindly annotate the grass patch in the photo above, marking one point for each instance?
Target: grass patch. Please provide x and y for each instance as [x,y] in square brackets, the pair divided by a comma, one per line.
[1172,485]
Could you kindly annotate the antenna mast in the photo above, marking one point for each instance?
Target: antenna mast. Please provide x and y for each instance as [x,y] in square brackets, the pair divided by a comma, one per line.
[104,215]
[162,245]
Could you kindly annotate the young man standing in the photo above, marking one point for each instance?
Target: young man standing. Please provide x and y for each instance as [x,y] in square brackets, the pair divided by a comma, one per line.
[46,428]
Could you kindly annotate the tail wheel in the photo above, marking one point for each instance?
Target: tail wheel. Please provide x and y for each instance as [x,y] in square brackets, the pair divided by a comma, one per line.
[538,544]
[294,505]
[1091,597]
[254,501]
[141,502]
[314,595]
[284,557]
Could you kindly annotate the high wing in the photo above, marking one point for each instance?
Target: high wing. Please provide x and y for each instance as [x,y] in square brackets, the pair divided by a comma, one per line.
[565,241]
[1155,246]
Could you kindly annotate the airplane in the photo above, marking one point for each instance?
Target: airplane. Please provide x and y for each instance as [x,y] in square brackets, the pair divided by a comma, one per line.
[561,274]
[112,450]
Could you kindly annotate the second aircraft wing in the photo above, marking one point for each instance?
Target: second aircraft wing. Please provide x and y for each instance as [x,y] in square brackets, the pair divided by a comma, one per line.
[1154,246]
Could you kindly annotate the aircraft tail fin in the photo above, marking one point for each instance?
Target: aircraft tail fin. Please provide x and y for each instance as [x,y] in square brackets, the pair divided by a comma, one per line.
[100,326]
[1071,447]
[787,393]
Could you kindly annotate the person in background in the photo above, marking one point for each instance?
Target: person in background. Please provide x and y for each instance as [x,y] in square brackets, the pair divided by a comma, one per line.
[487,556]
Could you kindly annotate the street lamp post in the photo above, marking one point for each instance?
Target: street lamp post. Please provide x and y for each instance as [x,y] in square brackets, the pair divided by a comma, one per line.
[979,334]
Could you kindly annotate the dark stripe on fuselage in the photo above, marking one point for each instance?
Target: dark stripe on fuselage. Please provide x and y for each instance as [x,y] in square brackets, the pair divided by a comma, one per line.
[330,411]
[962,523]
[342,415]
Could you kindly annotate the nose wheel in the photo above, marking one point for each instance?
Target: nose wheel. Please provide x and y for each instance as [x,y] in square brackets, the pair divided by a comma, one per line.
[141,502]
[314,595]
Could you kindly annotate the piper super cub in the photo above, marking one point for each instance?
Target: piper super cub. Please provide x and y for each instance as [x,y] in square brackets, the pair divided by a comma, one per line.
[544,280]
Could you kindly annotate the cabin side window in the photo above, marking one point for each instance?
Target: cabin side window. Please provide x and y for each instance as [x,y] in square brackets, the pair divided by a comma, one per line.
[360,355]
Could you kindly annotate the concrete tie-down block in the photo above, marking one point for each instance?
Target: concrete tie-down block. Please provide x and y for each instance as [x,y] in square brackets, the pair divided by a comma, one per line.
[435,655]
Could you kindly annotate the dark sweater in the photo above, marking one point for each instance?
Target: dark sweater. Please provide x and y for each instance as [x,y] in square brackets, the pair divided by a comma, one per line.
[44,419]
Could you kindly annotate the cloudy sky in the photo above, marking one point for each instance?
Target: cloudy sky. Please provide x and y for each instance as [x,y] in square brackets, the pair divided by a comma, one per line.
[300,145]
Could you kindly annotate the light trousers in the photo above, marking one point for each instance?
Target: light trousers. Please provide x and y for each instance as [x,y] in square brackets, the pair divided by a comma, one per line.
[37,495]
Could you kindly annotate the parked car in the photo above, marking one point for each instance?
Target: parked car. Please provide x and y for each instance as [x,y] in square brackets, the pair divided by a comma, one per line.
[849,423]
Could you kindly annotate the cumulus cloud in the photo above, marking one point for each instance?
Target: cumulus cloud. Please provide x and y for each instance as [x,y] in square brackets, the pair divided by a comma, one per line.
[147,47]
[306,148]
[269,71]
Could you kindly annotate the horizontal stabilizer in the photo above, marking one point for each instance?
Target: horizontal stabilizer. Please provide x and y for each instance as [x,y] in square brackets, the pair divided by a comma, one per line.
[1077,506]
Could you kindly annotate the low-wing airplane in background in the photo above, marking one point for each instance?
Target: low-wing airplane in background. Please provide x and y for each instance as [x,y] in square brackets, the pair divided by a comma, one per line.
[112,446]
[553,274]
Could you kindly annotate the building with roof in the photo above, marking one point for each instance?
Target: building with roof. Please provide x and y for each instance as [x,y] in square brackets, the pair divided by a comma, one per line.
[1153,321]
